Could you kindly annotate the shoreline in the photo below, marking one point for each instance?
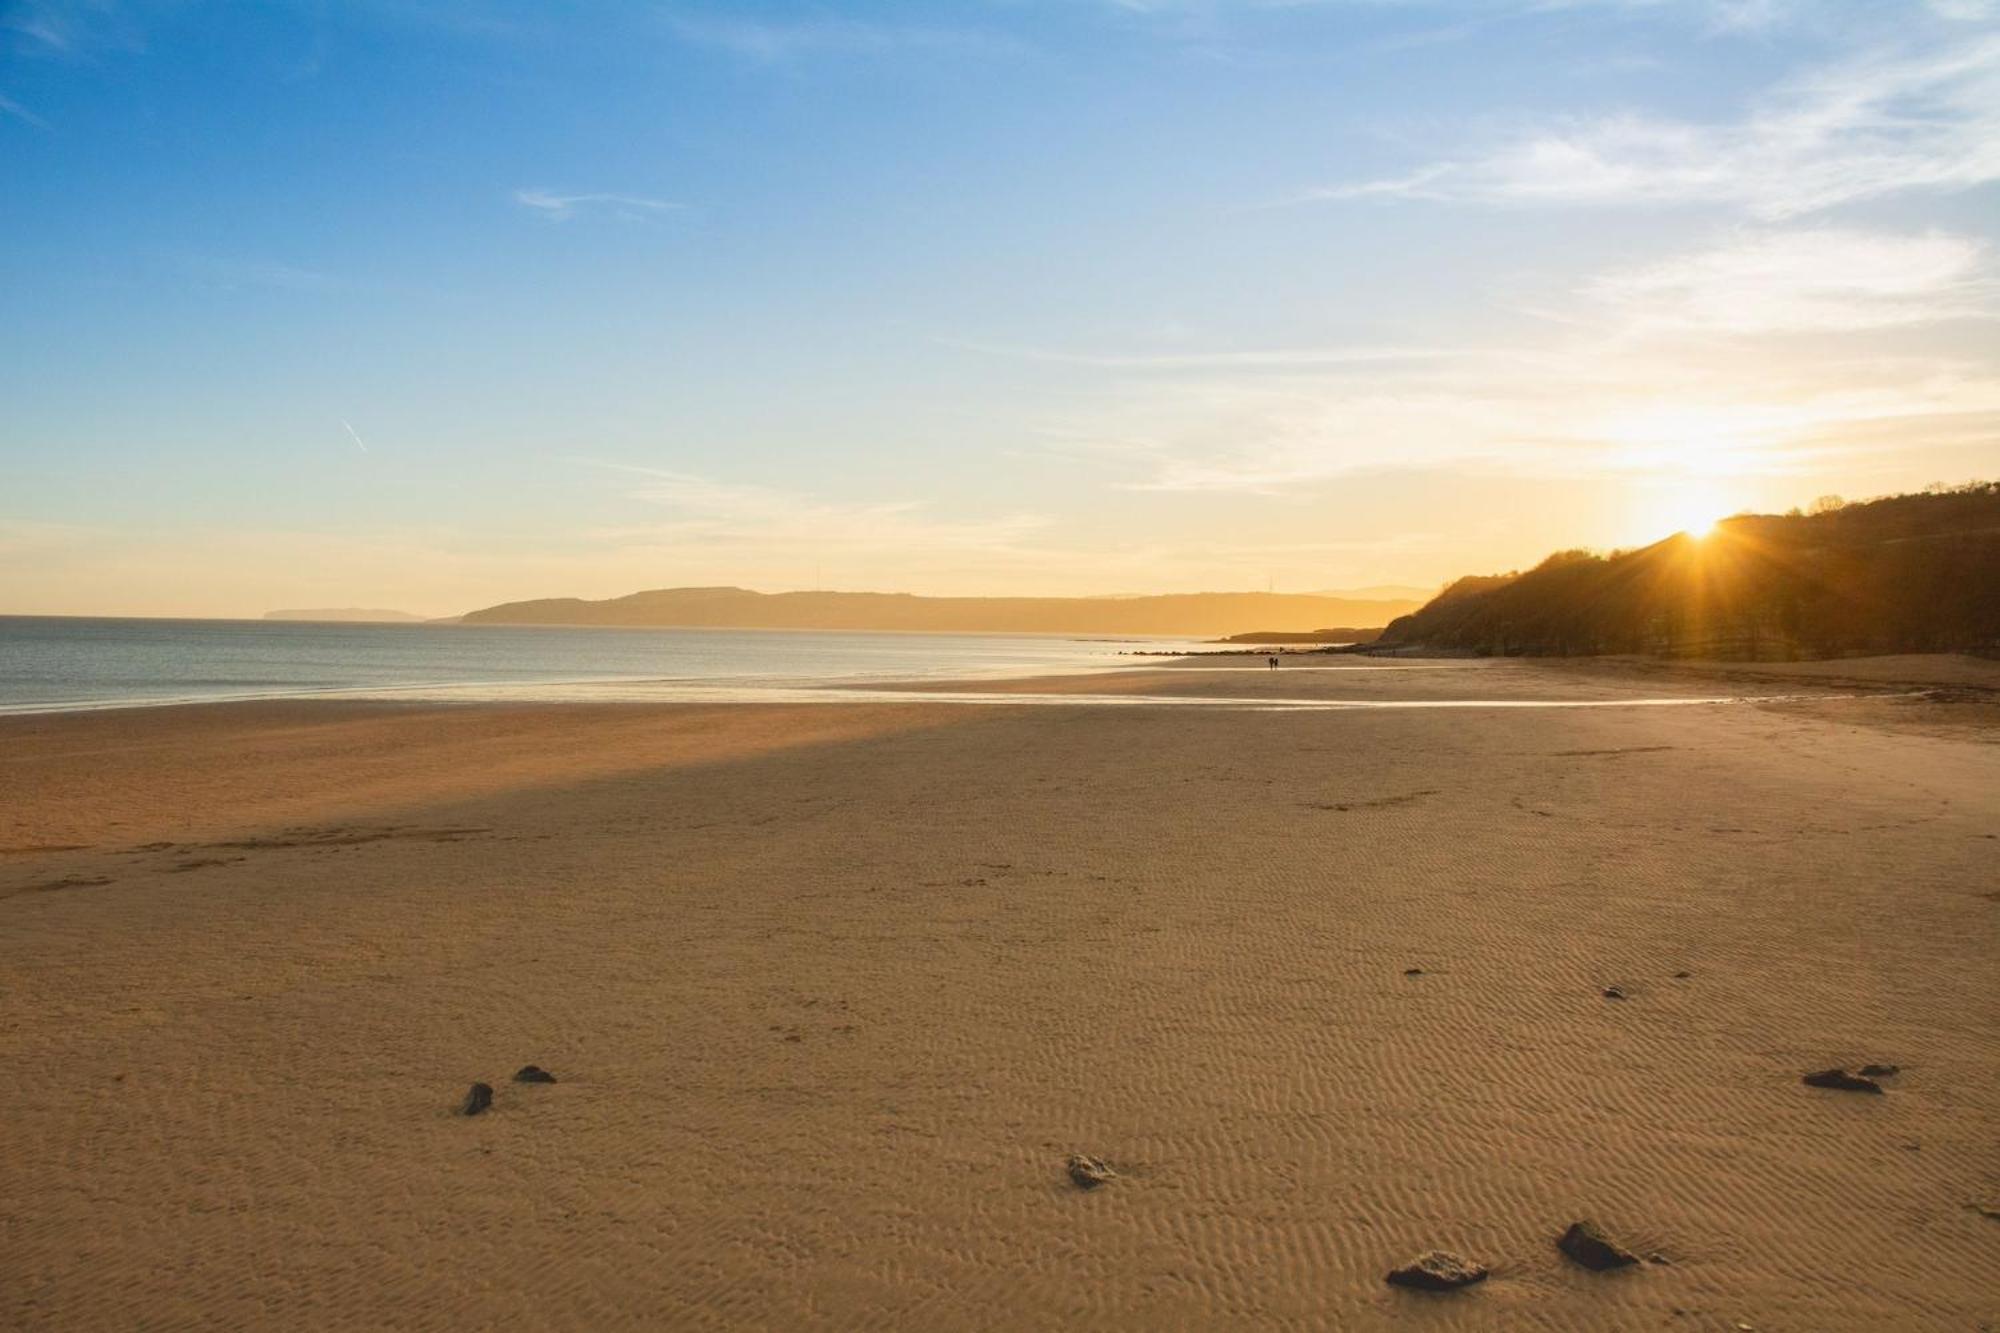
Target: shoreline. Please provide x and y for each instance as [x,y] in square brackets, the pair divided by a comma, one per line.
[1904,671]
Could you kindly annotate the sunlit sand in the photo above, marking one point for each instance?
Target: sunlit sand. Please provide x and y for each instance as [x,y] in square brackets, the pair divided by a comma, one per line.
[832,993]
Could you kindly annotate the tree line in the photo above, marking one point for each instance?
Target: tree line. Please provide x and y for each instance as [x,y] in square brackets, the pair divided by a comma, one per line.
[1903,573]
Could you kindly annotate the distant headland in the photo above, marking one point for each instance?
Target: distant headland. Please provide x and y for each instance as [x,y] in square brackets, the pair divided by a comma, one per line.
[1195,615]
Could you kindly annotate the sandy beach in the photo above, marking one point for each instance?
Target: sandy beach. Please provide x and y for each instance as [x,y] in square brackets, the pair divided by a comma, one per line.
[832,990]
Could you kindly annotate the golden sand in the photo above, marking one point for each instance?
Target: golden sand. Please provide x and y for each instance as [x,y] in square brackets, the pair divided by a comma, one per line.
[834,991]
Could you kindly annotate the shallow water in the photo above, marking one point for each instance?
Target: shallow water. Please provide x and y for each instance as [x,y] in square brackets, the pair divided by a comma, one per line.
[811,692]
[61,663]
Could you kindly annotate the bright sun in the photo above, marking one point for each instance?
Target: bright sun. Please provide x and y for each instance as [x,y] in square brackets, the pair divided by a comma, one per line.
[1692,510]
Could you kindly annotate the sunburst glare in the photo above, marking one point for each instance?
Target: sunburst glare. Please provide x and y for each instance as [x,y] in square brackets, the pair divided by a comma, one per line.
[1691,510]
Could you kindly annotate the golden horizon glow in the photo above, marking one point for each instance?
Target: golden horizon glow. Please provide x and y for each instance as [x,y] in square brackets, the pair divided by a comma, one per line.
[1690,510]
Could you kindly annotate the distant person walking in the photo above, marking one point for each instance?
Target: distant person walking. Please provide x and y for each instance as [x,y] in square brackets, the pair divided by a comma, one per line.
[1273,660]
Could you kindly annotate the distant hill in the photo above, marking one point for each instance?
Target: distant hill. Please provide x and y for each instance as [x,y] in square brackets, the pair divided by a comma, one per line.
[1206,614]
[1906,573]
[348,613]
[1310,636]
[1382,592]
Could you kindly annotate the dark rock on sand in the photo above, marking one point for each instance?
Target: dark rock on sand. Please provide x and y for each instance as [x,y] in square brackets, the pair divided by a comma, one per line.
[1682,976]
[533,1074]
[1613,993]
[477,1099]
[1841,1080]
[1879,1071]
[1437,1270]
[1586,1243]
[1089,1172]
[1413,971]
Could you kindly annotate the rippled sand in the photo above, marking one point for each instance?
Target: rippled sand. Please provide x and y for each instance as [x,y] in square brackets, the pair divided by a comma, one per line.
[833,989]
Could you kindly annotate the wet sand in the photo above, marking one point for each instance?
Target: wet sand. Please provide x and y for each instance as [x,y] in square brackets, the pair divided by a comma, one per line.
[833,990]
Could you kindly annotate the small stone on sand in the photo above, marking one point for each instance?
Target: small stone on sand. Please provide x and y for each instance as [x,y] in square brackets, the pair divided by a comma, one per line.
[533,1074]
[1089,1172]
[1613,993]
[1413,971]
[477,1099]
[1587,1244]
[1437,1270]
[1682,976]
[1840,1080]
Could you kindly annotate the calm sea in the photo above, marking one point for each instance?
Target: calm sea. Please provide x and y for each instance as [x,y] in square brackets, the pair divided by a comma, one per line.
[58,663]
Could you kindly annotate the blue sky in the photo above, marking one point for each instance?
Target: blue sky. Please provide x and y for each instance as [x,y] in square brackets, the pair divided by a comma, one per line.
[429,305]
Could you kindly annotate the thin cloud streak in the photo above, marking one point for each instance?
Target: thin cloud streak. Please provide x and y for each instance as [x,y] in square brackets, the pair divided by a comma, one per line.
[234,274]
[770,42]
[729,513]
[1168,361]
[1879,125]
[1817,281]
[13,108]
[736,530]
[562,207]
[1596,409]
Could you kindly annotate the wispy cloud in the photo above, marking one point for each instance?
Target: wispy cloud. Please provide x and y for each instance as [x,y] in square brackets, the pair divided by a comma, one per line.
[36,28]
[732,515]
[1716,16]
[74,29]
[233,274]
[770,41]
[562,207]
[1866,128]
[1587,408]
[8,106]
[775,538]
[1724,16]
[1275,358]
[1821,280]
[58,568]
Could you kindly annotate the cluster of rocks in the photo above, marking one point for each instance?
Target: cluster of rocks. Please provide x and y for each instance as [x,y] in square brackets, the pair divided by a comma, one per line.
[1864,1080]
[479,1098]
[1584,1243]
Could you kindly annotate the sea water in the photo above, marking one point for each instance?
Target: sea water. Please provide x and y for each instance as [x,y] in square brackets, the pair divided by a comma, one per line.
[50,663]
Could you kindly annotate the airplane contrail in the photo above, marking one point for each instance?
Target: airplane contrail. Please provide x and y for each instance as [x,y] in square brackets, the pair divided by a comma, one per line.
[355,437]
